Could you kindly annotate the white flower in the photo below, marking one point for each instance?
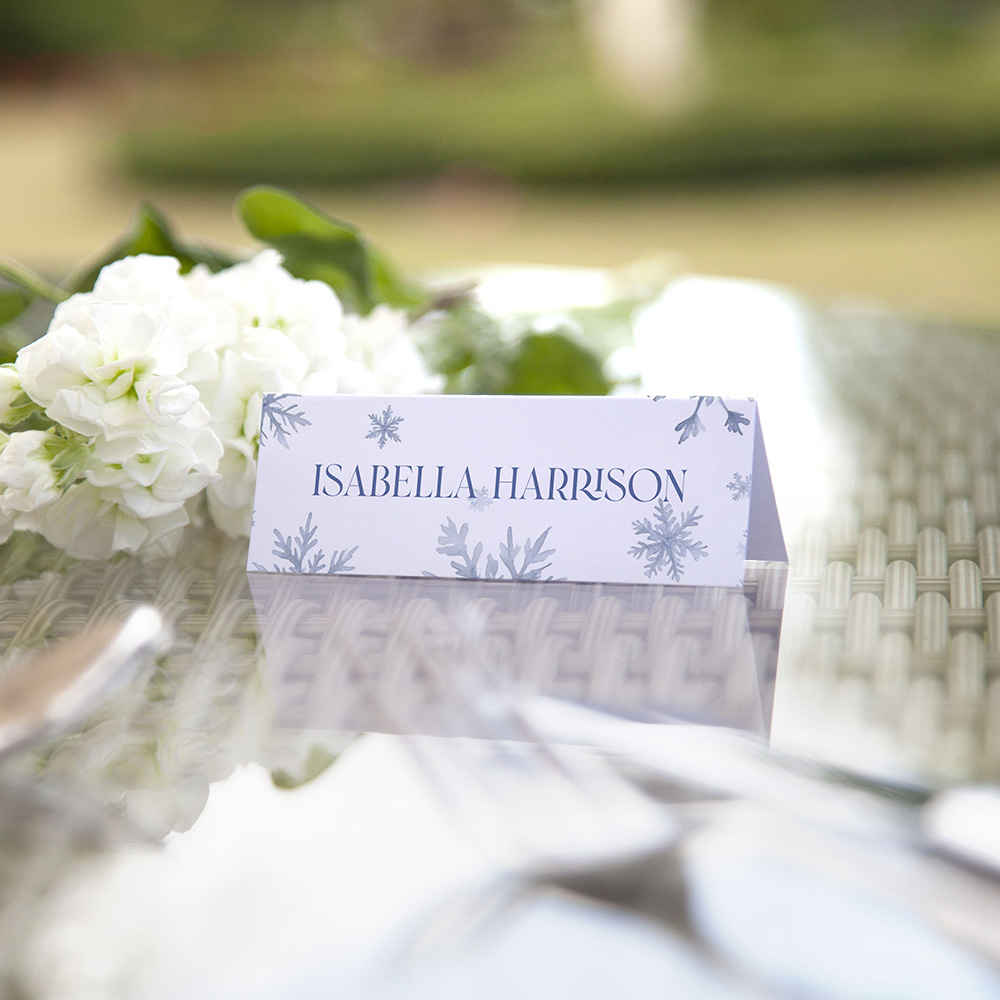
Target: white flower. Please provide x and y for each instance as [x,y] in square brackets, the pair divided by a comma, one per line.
[134,491]
[230,497]
[236,420]
[162,375]
[293,337]
[288,331]
[92,523]
[11,395]
[27,478]
[154,478]
[113,373]
[263,295]
[385,355]
[205,322]
[145,280]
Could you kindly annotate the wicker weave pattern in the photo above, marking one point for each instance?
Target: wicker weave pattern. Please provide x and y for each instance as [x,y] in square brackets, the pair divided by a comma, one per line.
[350,652]
[893,614]
[701,653]
[891,631]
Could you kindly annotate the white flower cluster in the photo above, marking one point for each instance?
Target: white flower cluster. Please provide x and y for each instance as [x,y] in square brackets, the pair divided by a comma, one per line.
[145,394]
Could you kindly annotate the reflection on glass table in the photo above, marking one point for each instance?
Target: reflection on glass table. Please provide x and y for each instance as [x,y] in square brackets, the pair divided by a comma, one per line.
[369,654]
[763,874]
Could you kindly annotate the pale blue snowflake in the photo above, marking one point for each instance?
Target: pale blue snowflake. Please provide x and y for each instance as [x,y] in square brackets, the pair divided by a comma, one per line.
[692,426]
[295,552]
[668,542]
[481,499]
[385,427]
[280,417]
[740,486]
[741,547]
[453,542]
[735,421]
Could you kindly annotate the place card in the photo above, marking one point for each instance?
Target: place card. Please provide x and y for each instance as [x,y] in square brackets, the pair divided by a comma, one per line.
[527,488]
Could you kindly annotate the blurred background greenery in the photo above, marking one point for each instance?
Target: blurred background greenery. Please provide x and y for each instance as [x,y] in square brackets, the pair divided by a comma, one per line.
[844,146]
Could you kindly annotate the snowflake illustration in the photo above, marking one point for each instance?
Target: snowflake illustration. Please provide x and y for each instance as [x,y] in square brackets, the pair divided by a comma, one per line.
[692,426]
[735,421]
[279,417]
[668,542]
[741,547]
[294,552]
[453,541]
[481,499]
[740,486]
[384,428]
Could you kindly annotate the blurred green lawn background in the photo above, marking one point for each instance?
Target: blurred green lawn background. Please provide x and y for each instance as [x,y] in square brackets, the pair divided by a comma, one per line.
[846,148]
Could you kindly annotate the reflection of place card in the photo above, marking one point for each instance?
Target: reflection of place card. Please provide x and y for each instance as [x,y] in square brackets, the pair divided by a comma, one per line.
[584,488]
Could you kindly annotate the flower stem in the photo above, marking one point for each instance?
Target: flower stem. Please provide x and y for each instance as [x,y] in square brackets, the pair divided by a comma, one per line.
[28,279]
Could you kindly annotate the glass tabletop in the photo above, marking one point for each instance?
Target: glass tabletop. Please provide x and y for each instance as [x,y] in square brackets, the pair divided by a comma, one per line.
[199,793]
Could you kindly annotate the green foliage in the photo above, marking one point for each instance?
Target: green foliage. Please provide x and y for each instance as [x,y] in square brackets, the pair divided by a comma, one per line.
[469,348]
[554,364]
[13,302]
[24,413]
[28,285]
[768,106]
[476,355]
[317,761]
[151,233]
[316,246]
[68,457]
[25,555]
[168,27]
[466,347]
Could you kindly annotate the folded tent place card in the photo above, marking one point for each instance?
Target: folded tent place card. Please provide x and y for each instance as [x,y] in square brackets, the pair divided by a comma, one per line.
[589,489]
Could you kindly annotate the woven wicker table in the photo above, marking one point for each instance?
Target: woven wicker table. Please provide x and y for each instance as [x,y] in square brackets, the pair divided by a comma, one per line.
[891,624]
[889,628]
[891,647]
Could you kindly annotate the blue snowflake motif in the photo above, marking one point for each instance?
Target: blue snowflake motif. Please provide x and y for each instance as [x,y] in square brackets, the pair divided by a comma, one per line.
[481,499]
[298,556]
[692,426]
[735,421]
[280,416]
[385,427]
[741,547]
[668,542]
[454,541]
[740,486]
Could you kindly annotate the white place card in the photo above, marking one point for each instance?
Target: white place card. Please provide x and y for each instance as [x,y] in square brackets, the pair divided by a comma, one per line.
[541,488]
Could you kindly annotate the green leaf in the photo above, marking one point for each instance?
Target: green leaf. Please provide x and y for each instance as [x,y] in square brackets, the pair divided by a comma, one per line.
[318,760]
[25,414]
[466,346]
[314,245]
[25,556]
[12,304]
[29,281]
[8,351]
[554,364]
[151,233]
[469,348]
[69,459]
[391,287]
[317,246]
